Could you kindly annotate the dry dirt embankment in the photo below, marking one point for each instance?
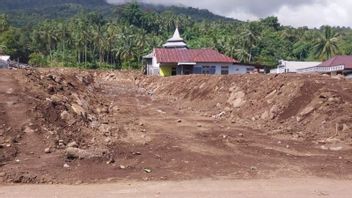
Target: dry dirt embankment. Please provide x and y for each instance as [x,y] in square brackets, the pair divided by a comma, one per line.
[80,126]
[299,107]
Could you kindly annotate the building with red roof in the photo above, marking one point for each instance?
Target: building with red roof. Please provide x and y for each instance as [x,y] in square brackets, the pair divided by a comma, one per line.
[335,65]
[175,58]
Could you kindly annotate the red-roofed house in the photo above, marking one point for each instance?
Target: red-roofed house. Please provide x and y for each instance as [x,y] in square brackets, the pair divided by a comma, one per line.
[335,65]
[175,58]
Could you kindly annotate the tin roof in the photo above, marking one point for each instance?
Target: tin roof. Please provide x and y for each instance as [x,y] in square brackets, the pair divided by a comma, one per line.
[177,55]
[338,60]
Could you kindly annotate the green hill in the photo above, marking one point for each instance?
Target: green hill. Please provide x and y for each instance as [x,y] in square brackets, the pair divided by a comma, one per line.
[194,13]
[7,5]
[29,12]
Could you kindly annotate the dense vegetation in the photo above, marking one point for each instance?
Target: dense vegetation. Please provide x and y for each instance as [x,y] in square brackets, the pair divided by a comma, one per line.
[80,37]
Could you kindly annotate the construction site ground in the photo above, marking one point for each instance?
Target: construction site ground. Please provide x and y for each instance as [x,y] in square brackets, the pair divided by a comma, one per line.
[67,126]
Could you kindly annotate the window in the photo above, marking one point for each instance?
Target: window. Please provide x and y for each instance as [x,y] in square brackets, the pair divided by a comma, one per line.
[212,69]
[250,69]
[224,70]
[206,70]
[209,69]
[197,70]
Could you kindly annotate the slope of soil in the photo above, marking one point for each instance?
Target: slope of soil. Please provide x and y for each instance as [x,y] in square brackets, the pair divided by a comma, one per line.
[73,126]
[303,107]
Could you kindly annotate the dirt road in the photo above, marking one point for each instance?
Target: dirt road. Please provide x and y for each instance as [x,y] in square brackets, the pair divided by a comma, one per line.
[273,188]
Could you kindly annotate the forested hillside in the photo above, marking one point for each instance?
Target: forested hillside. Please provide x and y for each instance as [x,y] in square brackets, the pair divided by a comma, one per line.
[30,12]
[39,4]
[92,34]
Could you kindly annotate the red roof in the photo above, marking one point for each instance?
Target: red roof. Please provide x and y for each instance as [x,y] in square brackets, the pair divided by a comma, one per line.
[165,55]
[338,60]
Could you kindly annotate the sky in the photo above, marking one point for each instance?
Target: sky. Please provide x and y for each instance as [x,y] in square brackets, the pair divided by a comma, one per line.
[297,13]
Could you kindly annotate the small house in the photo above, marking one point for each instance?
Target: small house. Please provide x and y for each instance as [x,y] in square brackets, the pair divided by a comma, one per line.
[336,65]
[292,66]
[175,58]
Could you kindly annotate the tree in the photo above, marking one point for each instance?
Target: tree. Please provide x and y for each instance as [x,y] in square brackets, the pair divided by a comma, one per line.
[2,48]
[46,35]
[4,23]
[271,22]
[132,13]
[345,44]
[13,42]
[272,48]
[38,59]
[326,44]
[301,50]
[242,55]
[63,36]
[248,40]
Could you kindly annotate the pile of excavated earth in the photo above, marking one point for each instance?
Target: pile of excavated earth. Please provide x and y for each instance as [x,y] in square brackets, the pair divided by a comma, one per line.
[83,126]
[304,107]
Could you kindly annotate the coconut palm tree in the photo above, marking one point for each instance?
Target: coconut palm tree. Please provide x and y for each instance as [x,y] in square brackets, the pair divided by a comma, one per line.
[243,55]
[125,48]
[48,36]
[99,40]
[248,41]
[77,38]
[62,36]
[326,46]
[111,37]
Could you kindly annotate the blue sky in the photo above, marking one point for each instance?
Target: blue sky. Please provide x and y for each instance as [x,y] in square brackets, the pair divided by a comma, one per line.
[311,13]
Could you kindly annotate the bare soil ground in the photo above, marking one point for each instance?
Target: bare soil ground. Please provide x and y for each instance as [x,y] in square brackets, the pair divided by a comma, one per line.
[267,188]
[72,126]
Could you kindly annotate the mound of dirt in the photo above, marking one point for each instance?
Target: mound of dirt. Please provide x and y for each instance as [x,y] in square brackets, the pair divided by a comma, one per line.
[67,105]
[297,106]
[62,110]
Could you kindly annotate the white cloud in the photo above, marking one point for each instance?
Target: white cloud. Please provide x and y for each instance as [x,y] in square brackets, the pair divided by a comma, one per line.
[335,13]
[312,13]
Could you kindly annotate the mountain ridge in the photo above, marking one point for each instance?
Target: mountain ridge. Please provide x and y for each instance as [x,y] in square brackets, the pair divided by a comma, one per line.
[25,12]
[11,5]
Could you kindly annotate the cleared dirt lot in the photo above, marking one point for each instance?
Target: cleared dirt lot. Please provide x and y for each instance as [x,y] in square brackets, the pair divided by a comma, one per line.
[72,127]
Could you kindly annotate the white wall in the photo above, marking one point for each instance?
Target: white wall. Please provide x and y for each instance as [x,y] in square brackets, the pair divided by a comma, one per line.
[155,62]
[218,66]
[155,67]
[277,71]
[239,69]
[292,66]
[233,69]
[4,58]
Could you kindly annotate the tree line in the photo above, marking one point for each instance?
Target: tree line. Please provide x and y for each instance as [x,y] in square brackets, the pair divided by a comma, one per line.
[91,40]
